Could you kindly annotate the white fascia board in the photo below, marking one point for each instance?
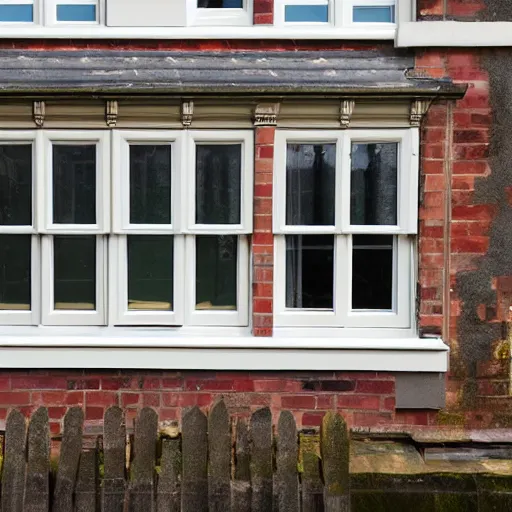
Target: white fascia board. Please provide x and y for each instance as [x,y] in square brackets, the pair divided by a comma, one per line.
[163,33]
[454,33]
[241,353]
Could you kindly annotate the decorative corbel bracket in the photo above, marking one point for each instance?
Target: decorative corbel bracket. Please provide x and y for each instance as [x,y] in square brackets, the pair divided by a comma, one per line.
[265,114]
[38,112]
[346,110]
[187,112]
[419,108]
[111,112]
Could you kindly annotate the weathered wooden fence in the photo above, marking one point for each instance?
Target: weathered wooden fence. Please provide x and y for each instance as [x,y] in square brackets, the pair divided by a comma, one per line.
[213,465]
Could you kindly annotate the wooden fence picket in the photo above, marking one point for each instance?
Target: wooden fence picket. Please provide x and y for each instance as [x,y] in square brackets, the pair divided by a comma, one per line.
[142,471]
[37,482]
[334,445]
[86,491]
[261,460]
[169,480]
[194,488]
[205,468]
[114,454]
[14,466]
[69,458]
[286,477]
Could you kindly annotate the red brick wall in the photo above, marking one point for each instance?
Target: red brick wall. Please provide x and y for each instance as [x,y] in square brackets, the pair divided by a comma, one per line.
[461,10]
[263,239]
[263,12]
[465,287]
[365,399]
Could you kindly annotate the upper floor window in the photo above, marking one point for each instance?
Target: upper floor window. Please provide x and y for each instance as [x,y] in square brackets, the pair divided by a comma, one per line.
[150,13]
[51,12]
[338,13]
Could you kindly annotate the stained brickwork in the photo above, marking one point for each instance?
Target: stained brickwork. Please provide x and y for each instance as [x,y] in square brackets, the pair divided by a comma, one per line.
[365,399]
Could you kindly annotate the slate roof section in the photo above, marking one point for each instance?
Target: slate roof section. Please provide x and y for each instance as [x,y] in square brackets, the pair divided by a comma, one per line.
[226,72]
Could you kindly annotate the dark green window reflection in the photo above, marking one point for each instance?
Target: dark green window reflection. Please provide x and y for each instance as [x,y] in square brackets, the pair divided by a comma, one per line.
[74,272]
[15,258]
[150,272]
[16,184]
[74,184]
[218,183]
[216,272]
[150,184]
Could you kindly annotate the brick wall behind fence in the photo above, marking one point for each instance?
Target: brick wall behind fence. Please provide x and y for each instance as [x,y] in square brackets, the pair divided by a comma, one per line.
[364,399]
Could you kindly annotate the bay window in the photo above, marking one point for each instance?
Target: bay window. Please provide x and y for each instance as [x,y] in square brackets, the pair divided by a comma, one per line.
[175,251]
[345,212]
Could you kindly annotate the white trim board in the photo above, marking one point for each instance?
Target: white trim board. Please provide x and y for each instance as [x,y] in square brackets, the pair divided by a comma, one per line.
[254,32]
[241,353]
[454,33]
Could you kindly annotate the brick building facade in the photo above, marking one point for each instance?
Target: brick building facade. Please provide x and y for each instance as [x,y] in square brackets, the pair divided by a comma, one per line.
[461,264]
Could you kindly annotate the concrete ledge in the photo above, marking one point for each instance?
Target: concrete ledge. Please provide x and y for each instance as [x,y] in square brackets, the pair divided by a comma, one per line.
[240,353]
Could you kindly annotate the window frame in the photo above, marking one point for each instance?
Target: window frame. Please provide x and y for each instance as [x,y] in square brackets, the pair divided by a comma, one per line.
[121,141]
[183,228]
[101,138]
[36,13]
[50,12]
[233,17]
[342,316]
[245,138]
[31,316]
[52,316]
[340,14]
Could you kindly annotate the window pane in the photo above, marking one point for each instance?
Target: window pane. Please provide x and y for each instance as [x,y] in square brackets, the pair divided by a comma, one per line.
[150,184]
[16,185]
[373,183]
[309,271]
[17,13]
[372,272]
[306,13]
[216,272]
[310,184]
[76,12]
[374,14]
[74,184]
[220,4]
[218,182]
[74,272]
[15,257]
[150,272]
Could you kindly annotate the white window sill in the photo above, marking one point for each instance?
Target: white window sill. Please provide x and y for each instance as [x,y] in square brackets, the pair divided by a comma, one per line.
[205,32]
[454,33]
[156,350]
